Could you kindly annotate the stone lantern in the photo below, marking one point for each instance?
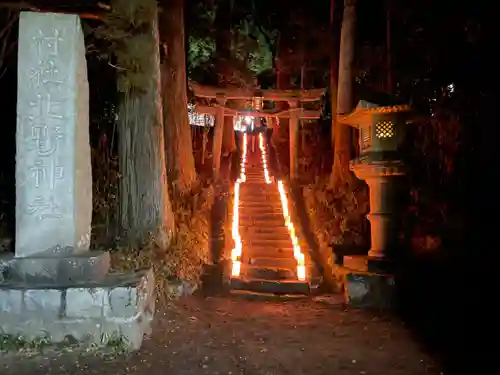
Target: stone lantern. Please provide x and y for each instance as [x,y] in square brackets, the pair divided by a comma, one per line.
[381,132]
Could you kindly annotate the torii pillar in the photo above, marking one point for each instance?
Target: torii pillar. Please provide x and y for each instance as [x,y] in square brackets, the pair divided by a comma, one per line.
[218,134]
[294,138]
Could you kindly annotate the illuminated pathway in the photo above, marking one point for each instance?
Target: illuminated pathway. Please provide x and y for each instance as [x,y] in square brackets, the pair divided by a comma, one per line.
[266,256]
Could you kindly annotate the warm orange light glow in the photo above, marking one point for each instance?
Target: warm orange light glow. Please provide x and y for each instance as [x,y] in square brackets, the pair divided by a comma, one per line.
[264,158]
[301,268]
[238,245]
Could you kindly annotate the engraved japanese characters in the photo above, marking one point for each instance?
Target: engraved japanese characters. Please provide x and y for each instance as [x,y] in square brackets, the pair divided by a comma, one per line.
[53,173]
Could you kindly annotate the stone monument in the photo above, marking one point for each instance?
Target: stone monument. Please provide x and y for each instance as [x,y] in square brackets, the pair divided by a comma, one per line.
[368,279]
[54,286]
[53,171]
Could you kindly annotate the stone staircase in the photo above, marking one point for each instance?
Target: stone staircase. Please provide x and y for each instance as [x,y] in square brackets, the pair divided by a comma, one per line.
[267,259]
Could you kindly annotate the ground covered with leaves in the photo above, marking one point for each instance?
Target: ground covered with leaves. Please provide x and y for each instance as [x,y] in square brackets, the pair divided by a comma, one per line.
[236,335]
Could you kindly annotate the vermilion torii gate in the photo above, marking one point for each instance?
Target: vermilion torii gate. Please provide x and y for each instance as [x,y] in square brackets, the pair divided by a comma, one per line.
[294,98]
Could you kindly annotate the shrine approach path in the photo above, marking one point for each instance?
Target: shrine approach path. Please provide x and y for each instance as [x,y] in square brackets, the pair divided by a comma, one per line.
[236,335]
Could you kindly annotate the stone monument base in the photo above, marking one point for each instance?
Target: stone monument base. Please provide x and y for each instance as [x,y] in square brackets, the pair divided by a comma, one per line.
[56,297]
[367,282]
[55,267]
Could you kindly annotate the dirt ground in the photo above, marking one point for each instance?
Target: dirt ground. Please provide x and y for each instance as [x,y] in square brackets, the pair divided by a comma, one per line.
[236,335]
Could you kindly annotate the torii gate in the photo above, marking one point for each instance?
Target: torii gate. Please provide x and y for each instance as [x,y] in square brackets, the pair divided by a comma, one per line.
[294,113]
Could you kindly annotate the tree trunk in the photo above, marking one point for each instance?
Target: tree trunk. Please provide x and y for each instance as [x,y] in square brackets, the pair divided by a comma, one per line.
[223,40]
[145,207]
[333,73]
[218,136]
[293,141]
[302,122]
[282,83]
[179,149]
[390,87]
[343,137]
[228,141]
[204,145]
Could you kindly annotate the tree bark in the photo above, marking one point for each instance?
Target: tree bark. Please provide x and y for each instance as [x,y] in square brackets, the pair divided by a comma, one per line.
[388,38]
[333,73]
[223,40]
[282,83]
[179,149]
[343,137]
[293,141]
[218,136]
[228,140]
[204,145]
[145,207]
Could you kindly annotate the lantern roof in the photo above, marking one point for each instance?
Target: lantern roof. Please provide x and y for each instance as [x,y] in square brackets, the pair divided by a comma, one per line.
[365,110]
[372,103]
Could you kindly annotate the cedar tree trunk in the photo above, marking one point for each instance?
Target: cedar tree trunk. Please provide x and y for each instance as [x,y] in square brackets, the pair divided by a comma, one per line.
[145,207]
[343,137]
[179,149]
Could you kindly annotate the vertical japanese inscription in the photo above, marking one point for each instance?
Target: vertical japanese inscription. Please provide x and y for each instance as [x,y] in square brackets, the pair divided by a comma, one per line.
[45,123]
[53,171]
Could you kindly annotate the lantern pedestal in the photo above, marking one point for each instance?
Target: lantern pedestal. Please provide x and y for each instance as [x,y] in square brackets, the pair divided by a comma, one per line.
[383,190]
[368,279]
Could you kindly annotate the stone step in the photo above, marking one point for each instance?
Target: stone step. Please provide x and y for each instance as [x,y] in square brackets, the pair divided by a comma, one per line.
[121,305]
[274,205]
[287,263]
[260,210]
[267,252]
[280,235]
[256,194]
[258,182]
[260,206]
[252,188]
[258,241]
[255,221]
[267,230]
[252,195]
[260,197]
[267,273]
[262,215]
[270,286]
[255,174]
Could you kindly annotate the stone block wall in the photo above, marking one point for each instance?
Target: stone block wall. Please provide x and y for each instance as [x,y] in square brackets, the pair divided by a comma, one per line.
[121,306]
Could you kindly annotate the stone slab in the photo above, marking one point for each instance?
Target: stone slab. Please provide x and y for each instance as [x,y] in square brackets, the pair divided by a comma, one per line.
[365,263]
[369,290]
[46,269]
[270,286]
[122,305]
[258,241]
[268,273]
[287,263]
[268,252]
[53,171]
